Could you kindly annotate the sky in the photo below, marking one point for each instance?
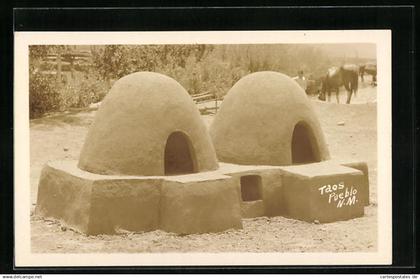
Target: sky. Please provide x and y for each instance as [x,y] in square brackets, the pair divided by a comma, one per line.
[349,50]
[352,50]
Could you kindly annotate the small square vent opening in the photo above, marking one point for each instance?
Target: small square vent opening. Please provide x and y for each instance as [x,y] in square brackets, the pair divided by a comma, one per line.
[251,188]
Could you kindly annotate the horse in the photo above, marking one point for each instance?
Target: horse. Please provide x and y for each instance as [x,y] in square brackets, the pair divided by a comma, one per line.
[346,75]
[369,69]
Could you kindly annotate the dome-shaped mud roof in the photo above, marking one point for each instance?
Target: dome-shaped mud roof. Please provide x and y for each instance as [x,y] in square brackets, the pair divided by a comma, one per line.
[147,125]
[267,119]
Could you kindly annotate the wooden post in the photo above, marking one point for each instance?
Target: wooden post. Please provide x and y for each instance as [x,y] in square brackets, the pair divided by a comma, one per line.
[215,100]
[59,66]
[72,58]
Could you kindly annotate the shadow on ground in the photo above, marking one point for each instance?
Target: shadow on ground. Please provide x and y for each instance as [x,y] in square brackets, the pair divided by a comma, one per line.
[74,117]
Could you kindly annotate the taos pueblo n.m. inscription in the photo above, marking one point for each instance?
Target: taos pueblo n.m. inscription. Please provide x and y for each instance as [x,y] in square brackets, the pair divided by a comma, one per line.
[340,194]
[149,162]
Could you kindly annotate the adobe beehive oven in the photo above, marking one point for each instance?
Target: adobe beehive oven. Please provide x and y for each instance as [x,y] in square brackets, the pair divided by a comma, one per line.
[267,119]
[147,125]
[143,166]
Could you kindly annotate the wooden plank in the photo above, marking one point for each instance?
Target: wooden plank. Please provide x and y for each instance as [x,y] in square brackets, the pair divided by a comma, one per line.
[201,94]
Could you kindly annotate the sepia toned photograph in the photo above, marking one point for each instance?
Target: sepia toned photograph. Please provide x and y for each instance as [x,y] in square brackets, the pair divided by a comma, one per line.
[199,148]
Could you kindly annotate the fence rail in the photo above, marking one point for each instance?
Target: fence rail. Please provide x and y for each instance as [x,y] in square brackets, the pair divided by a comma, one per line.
[207,96]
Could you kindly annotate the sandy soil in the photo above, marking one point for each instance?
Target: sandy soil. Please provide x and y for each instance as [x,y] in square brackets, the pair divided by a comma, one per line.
[60,136]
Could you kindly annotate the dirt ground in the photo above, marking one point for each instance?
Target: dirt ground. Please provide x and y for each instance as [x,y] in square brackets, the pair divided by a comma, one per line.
[61,136]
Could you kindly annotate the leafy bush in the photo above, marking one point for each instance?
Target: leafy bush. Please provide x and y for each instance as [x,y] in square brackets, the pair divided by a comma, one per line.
[46,96]
[82,92]
[43,97]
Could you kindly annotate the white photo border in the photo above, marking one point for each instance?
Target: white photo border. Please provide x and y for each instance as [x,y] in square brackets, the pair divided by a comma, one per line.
[23,255]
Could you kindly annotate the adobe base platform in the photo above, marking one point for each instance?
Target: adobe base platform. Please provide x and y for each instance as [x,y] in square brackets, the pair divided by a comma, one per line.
[209,201]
